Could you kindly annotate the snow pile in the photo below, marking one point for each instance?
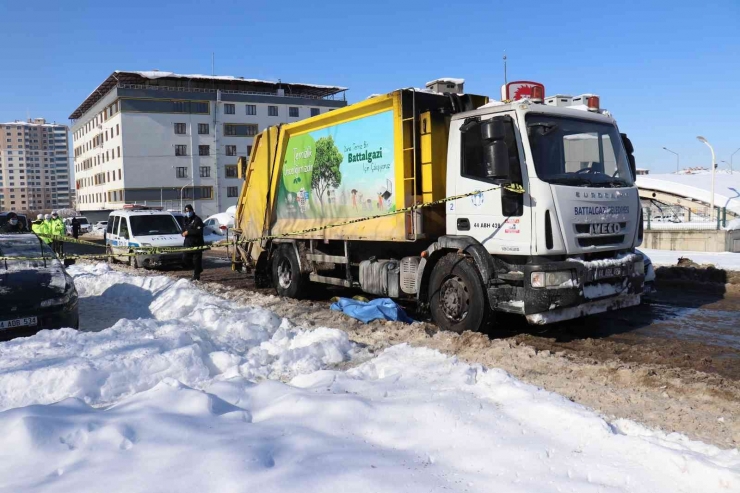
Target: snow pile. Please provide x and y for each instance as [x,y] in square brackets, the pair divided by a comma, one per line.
[184,413]
[159,328]
[410,420]
[721,260]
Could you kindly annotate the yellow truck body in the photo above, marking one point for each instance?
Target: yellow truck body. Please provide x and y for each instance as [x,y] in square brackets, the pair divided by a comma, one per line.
[356,162]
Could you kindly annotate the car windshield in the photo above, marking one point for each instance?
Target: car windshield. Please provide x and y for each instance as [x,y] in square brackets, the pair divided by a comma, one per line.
[572,151]
[160,224]
[83,220]
[21,220]
[24,247]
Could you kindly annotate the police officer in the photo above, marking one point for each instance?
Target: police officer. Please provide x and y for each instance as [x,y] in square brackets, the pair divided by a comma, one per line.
[75,228]
[37,224]
[45,229]
[57,229]
[193,238]
[13,225]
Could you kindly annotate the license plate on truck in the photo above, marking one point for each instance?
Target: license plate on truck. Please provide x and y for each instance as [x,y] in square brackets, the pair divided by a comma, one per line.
[18,322]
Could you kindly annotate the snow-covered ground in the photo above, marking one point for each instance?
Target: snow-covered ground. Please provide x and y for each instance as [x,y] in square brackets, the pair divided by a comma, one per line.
[174,389]
[721,260]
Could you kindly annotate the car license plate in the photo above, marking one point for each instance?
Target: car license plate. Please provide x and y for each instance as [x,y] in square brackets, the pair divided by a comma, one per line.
[18,322]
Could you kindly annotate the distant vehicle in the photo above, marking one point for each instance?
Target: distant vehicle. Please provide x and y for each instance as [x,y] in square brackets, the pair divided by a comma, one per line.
[85,226]
[100,226]
[21,218]
[128,229]
[219,223]
[37,294]
[666,219]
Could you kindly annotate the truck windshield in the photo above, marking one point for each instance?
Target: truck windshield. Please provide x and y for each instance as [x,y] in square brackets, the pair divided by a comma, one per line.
[162,224]
[571,151]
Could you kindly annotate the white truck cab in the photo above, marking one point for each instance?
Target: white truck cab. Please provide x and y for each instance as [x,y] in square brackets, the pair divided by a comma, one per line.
[569,240]
[128,230]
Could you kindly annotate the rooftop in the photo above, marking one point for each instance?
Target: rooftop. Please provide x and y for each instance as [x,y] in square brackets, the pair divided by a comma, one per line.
[202,83]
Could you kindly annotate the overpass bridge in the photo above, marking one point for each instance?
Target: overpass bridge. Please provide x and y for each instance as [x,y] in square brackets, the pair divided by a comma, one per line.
[692,192]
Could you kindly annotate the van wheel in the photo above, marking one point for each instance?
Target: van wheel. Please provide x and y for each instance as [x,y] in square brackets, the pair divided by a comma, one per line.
[458,300]
[111,259]
[286,273]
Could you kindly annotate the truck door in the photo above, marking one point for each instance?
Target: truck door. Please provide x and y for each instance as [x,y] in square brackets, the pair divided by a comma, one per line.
[497,218]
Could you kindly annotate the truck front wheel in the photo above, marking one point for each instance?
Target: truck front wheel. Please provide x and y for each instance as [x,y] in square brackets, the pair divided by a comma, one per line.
[458,299]
[286,273]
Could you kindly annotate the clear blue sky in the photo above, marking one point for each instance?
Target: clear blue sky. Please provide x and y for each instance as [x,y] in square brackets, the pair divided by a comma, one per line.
[668,70]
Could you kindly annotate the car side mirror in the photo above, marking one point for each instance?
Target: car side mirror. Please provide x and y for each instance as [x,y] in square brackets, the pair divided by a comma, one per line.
[493,129]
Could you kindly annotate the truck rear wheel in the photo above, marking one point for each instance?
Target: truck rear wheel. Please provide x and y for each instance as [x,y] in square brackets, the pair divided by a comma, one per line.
[286,273]
[458,298]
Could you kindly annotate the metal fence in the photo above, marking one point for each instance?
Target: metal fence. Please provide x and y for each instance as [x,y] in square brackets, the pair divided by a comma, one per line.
[695,217]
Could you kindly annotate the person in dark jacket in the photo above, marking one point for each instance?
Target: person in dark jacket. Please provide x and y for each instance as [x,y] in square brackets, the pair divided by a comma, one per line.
[75,228]
[193,238]
[13,225]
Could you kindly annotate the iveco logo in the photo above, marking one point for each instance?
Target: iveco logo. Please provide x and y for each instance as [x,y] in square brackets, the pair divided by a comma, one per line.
[605,229]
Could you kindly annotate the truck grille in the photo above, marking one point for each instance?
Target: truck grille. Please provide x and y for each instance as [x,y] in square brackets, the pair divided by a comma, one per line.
[600,240]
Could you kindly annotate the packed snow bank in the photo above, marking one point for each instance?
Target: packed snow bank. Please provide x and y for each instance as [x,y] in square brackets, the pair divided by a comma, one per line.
[158,328]
[410,420]
[721,260]
[178,374]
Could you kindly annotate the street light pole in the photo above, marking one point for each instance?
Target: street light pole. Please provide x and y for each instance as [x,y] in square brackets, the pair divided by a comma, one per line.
[677,159]
[731,156]
[711,201]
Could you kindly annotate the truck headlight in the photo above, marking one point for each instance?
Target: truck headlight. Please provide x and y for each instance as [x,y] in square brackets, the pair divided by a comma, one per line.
[551,279]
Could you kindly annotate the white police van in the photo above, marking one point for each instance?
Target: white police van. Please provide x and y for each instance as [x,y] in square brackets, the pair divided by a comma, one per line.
[130,229]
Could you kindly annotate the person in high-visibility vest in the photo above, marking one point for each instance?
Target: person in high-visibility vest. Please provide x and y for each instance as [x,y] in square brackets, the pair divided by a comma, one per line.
[46,229]
[37,224]
[57,229]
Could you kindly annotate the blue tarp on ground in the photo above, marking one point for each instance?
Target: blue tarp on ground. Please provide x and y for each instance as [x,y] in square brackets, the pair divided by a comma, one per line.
[367,311]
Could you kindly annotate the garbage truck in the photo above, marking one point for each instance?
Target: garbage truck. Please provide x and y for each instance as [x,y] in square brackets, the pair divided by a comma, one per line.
[467,206]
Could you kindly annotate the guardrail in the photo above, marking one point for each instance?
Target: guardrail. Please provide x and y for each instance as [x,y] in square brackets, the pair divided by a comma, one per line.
[676,218]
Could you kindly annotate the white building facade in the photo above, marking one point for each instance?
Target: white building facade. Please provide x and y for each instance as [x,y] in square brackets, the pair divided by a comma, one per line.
[34,166]
[164,139]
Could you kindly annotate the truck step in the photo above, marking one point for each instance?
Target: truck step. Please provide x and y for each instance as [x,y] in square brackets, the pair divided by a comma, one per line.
[333,259]
[330,280]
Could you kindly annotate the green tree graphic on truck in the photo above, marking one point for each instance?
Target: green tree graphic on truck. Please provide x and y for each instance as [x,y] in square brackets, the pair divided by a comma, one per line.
[326,171]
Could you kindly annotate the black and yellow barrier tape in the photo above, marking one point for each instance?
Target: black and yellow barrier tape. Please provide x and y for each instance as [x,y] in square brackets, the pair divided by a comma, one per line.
[150,250]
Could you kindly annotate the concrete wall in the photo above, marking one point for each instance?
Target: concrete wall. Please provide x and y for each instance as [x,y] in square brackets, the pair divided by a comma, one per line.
[697,241]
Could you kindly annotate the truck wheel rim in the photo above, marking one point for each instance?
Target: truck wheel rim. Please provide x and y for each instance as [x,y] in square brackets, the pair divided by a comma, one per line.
[284,273]
[455,299]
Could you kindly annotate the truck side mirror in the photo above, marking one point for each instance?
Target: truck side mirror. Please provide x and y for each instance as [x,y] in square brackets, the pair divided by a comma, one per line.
[493,129]
[495,150]
[630,156]
[496,157]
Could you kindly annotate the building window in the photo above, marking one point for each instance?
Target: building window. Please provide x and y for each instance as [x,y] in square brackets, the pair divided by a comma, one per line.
[205,171]
[181,150]
[229,109]
[119,174]
[272,111]
[180,128]
[293,111]
[204,150]
[182,172]
[230,171]
[251,109]
[231,150]
[119,151]
[315,111]
[240,130]
[118,129]
[203,128]
[232,191]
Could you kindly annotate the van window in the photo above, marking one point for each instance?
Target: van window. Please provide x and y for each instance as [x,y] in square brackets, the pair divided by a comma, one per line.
[123,232]
[116,221]
[161,224]
[109,226]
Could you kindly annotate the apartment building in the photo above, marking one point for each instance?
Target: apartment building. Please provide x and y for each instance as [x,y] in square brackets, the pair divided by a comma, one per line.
[34,166]
[159,138]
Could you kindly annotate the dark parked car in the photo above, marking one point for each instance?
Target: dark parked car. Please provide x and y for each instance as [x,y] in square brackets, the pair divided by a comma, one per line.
[37,293]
